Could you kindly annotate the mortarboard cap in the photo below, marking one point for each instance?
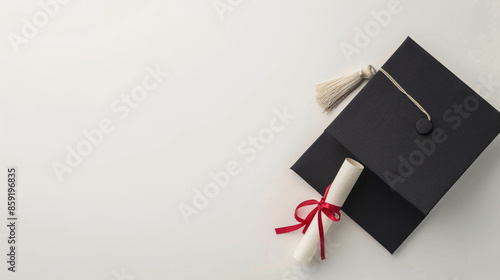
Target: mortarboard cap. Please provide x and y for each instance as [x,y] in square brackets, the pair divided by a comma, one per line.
[409,164]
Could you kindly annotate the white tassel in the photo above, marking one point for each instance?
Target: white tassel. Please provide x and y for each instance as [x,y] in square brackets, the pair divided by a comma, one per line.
[329,94]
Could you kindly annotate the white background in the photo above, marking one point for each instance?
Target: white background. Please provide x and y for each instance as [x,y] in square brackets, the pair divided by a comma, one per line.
[116,215]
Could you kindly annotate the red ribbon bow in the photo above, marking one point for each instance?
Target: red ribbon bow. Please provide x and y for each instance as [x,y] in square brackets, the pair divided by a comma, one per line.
[328,209]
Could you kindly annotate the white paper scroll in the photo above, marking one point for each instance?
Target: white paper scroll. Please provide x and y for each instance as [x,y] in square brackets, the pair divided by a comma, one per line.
[339,190]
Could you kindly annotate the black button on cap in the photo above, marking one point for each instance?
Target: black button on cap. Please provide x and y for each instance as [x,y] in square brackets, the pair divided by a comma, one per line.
[424,126]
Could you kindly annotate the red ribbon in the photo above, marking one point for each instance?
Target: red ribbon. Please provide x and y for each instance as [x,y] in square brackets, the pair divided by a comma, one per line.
[328,209]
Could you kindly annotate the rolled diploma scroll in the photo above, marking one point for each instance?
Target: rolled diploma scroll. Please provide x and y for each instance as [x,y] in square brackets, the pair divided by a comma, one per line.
[339,190]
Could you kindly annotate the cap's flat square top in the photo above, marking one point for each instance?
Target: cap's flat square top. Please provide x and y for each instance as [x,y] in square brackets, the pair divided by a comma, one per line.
[379,126]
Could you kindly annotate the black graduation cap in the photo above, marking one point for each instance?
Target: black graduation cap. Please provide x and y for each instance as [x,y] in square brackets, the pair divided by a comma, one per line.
[416,127]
